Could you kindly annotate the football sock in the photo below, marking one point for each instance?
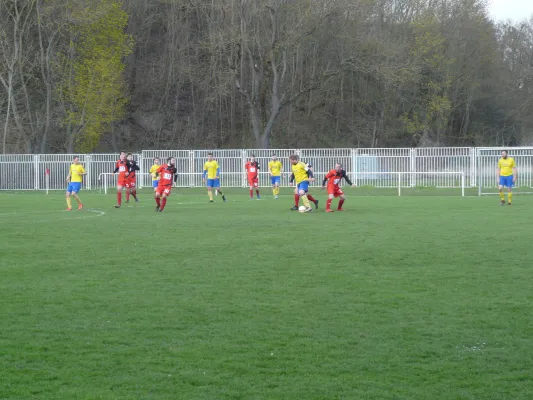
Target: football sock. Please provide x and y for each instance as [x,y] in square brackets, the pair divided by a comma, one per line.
[127,195]
[158,201]
[296,199]
[211,196]
[277,191]
[311,198]
[257,192]
[341,202]
[78,200]
[134,194]
[119,198]
[328,204]
[502,196]
[69,202]
[163,203]
[274,191]
[510,197]
[251,193]
[306,201]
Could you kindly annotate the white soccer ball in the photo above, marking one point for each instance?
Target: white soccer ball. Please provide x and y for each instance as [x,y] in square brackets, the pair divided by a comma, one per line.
[301,209]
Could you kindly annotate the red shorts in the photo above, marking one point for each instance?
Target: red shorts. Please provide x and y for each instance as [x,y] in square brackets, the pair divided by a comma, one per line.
[335,191]
[164,190]
[253,182]
[122,180]
[130,182]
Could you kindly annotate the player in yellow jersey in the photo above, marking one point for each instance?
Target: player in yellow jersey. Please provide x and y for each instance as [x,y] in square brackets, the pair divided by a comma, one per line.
[507,174]
[155,175]
[74,179]
[212,177]
[302,175]
[275,167]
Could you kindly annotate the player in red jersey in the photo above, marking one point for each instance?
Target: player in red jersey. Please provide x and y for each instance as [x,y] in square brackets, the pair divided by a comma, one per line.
[333,178]
[122,168]
[252,171]
[166,177]
[131,179]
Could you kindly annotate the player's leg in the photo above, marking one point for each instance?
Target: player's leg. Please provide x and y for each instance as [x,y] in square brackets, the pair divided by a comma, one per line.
[311,198]
[75,193]
[256,185]
[251,189]
[119,194]
[341,202]
[328,202]
[303,188]
[166,193]
[296,199]
[219,191]
[157,198]
[128,191]
[500,189]
[133,188]
[69,200]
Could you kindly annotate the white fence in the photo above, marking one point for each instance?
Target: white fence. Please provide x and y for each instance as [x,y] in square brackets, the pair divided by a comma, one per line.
[366,167]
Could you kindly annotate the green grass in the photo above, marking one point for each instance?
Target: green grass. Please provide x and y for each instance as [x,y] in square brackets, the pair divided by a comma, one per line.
[420,297]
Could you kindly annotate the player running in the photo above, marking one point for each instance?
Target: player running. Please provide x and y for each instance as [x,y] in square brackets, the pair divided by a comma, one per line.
[153,172]
[506,174]
[252,172]
[275,167]
[211,177]
[297,195]
[122,168]
[166,174]
[131,179]
[333,179]
[302,175]
[74,179]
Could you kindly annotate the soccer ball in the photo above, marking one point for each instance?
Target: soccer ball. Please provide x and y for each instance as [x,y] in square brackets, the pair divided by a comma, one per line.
[301,209]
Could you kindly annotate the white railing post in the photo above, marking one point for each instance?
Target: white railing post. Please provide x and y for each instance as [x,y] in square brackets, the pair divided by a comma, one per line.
[243,161]
[473,167]
[36,158]
[89,172]
[354,165]
[192,173]
[399,184]
[463,184]
[412,161]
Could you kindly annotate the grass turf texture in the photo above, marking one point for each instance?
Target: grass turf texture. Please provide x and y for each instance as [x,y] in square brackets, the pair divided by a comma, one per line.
[397,298]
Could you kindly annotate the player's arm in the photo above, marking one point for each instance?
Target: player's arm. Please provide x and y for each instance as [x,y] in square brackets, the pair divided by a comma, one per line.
[116,169]
[291,179]
[136,167]
[218,172]
[345,175]
[309,171]
[69,175]
[270,169]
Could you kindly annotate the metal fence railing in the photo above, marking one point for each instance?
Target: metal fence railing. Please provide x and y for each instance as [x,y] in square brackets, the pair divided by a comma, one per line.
[420,167]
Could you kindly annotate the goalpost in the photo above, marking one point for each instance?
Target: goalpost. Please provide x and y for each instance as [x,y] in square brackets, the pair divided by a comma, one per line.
[487,164]
[404,182]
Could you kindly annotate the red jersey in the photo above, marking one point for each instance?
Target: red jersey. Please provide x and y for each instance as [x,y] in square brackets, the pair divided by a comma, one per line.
[252,168]
[122,168]
[333,178]
[166,174]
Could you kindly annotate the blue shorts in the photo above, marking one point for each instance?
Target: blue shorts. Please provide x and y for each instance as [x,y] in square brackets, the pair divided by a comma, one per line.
[275,180]
[74,187]
[506,181]
[304,185]
[155,183]
[213,183]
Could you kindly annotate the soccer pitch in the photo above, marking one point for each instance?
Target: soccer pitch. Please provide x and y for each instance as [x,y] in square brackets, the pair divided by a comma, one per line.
[417,297]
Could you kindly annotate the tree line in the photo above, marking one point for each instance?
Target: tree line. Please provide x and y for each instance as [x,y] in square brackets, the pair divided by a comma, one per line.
[151,74]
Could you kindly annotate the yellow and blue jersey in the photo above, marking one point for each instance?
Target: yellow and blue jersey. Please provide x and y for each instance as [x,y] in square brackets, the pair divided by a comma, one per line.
[275,167]
[211,169]
[300,172]
[76,171]
[506,166]
[153,171]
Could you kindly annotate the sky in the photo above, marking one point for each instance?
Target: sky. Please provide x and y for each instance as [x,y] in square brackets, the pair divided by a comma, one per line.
[515,10]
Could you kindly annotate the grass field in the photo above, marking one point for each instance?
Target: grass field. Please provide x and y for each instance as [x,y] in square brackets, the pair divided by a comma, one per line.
[420,297]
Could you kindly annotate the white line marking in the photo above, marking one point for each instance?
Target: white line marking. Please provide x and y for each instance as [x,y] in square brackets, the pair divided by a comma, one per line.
[78,215]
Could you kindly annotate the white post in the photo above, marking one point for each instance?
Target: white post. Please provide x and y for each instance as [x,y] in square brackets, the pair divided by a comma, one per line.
[105,183]
[463,184]
[399,184]
[192,170]
[47,182]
